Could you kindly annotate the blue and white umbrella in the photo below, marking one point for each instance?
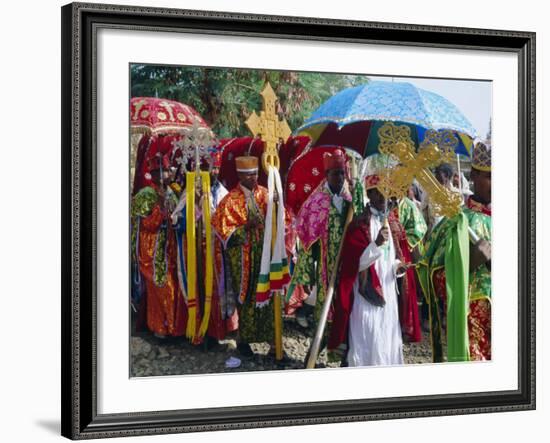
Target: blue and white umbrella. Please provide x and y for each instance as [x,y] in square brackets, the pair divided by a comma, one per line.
[352,116]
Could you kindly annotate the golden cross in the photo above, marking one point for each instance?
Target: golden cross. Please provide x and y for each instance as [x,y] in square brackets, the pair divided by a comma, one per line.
[271,130]
[268,126]
[396,141]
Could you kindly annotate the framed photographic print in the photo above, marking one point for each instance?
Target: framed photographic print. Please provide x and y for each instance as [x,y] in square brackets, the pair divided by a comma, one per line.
[273,221]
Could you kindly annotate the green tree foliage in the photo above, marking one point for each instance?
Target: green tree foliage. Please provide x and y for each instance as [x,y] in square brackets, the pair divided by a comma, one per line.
[226,97]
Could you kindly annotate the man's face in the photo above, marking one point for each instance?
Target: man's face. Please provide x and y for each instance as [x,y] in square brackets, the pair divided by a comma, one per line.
[376,199]
[442,177]
[248,179]
[335,179]
[482,185]
[171,175]
[166,174]
[156,177]
[456,181]
[214,173]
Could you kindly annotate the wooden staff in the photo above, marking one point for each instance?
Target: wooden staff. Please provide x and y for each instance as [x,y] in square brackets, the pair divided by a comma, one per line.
[278,313]
[473,236]
[271,130]
[277,310]
[316,344]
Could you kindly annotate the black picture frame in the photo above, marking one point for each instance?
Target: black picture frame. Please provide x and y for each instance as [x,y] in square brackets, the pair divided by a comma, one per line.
[79,243]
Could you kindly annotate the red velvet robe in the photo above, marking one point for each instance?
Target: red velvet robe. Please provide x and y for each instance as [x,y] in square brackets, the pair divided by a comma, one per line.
[355,242]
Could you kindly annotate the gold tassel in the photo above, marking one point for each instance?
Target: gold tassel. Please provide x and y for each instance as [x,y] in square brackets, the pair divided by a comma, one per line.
[191,256]
[209,278]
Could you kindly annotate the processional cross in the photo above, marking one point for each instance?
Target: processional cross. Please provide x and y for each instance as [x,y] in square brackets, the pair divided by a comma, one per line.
[271,130]
[195,143]
[438,147]
[269,127]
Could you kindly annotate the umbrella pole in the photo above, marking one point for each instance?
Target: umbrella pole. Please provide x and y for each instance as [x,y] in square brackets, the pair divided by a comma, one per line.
[459,173]
[316,344]
[473,236]
[278,326]
[278,320]
[201,293]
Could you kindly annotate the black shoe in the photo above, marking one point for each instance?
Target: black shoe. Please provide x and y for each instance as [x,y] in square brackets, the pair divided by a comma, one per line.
[245,350]
[308,309]
[209,343]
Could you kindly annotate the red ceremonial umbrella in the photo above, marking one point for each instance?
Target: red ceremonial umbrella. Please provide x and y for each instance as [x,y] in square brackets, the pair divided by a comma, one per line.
[290,151]
[231,148]
[306,173]
[161,116]
[236,147]
[164,125]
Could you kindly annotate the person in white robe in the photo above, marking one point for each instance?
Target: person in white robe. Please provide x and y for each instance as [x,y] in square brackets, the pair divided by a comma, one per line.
[374,330]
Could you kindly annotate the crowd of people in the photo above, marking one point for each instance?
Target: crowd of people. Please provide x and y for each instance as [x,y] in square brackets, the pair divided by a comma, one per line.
[399,267]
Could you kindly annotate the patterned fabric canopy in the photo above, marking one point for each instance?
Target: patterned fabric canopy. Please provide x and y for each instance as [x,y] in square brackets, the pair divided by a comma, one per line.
[235,147]
[158,115]
[291,150]
[391,101]
[306,173]
[351,118]
[230,149]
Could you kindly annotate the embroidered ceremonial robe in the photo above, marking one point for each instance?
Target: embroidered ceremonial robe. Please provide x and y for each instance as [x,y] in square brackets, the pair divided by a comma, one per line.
[319,226]
[413,230]
[479,316]
[412,221]
[472,331]
[154,249]
[243,251]
[224,318]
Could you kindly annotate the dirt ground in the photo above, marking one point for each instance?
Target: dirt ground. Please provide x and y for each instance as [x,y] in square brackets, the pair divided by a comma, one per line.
[152,356]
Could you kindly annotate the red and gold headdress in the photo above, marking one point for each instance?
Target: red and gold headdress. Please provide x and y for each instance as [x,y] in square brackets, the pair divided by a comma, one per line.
[335,160]
[378,169]
[371,181]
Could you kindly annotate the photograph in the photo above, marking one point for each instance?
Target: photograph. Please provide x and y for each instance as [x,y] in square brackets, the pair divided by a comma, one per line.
[295,220]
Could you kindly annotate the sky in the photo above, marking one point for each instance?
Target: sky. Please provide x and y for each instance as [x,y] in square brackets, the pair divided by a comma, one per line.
[472,97]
